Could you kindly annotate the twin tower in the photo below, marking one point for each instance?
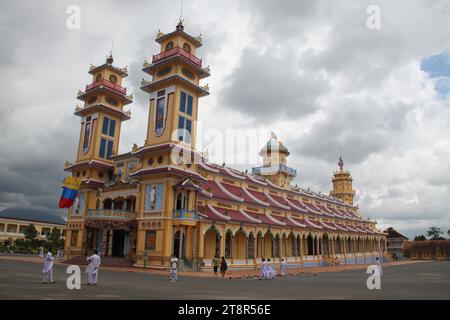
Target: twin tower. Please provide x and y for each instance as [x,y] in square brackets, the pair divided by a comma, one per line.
[174,92]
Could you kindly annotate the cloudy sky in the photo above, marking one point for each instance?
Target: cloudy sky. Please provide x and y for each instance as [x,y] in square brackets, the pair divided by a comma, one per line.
[310,70]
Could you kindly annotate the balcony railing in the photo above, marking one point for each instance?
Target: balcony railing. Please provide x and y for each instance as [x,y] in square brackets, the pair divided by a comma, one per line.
[185,214]
[106,83]
[274,169]
[115,214]
[174,51]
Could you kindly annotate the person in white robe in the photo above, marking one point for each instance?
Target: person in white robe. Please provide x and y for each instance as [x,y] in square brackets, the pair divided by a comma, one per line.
[41,252]
[173,269]
[270,272]
[92,268]
[48,268]
[283,267]
[263,269]
[379,269]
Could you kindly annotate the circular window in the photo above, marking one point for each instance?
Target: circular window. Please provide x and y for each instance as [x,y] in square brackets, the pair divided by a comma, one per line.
[100,174]
[186,47]
[113,78]
[160,159]
[98,78]
[169,45]
[150,161]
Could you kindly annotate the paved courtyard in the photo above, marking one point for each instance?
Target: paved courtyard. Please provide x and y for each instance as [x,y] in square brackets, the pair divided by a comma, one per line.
[424,280]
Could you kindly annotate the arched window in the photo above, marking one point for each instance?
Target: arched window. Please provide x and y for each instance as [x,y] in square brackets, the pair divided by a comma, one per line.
[98,77]
[113,78]
[251,247]
[186,47]
[169,45]
[182,200]
[228,239]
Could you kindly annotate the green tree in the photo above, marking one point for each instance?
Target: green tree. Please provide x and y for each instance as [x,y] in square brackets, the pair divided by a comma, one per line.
[54,235]
[419,237]
[30,232]
[434,233]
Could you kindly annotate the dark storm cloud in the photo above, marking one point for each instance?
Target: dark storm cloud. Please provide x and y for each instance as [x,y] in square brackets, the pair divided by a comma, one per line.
[269,88]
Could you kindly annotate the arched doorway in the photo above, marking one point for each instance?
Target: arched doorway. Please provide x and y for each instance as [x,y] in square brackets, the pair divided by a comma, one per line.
[338,245]
[268,245]
[251,246]
[211,243]
[240,245]
[325,244]
[276,246]
[179,244]
[310,245]
[228,244]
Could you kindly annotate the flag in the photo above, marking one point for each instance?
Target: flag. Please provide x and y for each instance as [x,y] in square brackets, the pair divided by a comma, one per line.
[70,192]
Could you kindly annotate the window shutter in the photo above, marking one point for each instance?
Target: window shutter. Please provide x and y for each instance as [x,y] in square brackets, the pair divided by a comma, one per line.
[183,102]
[112,127]
[189,105]
[105,125]
[102,147]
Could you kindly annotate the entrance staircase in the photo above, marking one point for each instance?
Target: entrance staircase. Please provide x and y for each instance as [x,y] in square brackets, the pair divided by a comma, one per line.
[105,262]
[330,261]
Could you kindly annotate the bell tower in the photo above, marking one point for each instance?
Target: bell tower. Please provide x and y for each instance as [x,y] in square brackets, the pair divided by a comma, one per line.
[101,119]
[274,166]
[175,89]
[342,184]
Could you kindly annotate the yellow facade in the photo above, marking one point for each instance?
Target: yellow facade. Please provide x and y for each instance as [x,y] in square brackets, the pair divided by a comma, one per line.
[12,228]
[155,201]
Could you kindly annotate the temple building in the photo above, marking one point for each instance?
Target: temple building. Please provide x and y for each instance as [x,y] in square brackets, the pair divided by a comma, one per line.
[165,198]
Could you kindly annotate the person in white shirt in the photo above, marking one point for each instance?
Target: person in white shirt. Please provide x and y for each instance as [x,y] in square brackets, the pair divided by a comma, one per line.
[48,268]
[283,267]
[173,269]
[379,269]
[92,268]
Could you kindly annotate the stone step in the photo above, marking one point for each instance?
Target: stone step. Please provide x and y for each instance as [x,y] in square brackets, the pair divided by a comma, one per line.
[106,262]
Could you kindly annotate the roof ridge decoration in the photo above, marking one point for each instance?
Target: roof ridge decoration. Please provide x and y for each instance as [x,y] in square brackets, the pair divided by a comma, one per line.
[312,224]
[293,205]
[234,175]
[206,193]
[217,213]
[253,179]
[327,226]
[269,216]
[339,227]
[301,225]
[208,167]
[228,193]
[249,217]
[265,204]
[276,202]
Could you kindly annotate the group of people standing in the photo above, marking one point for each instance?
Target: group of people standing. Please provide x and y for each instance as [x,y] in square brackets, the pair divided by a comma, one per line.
[91,269]
[268,273]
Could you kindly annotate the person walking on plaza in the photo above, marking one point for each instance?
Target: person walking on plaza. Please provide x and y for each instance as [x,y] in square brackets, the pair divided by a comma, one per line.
[48,268]
[215,265]
[379,269]
[41,252]
[174,268]
[283,267]
[270,272]
[223,266]
[92,268]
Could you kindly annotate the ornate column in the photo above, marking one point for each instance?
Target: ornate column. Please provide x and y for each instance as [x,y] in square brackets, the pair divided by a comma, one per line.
[110,241]
[103,247]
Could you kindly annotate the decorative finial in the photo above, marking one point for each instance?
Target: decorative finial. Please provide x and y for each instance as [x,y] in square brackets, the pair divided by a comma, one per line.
[341,163]
[180,26]
[109,59]
[273,135]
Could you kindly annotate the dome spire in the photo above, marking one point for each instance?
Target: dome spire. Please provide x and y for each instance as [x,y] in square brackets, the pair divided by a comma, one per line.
[341,163]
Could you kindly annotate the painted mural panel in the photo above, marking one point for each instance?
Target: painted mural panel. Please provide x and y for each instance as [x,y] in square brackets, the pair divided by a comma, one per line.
[78,205]
[154,196]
